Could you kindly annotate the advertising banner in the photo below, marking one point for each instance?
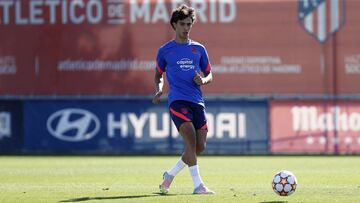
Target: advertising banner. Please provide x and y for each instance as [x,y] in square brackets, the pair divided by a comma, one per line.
[315,126]
[138,127]
[108,47]
[347,55]
[11,126]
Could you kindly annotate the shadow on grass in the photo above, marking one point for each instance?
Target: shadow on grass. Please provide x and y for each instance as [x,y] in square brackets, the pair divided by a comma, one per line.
[275,202]
[81,199]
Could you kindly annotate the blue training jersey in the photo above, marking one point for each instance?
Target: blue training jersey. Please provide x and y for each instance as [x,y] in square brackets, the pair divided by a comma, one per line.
[181,62]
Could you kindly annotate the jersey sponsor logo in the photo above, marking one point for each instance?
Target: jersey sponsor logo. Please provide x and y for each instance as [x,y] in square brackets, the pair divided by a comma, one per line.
[73,125]
[186,64]
[321,18]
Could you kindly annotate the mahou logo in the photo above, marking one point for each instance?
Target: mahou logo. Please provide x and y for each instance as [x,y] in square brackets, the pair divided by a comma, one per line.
[308,118]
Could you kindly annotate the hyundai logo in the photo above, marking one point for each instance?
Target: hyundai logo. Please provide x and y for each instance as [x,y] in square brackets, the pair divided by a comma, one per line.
[73,125]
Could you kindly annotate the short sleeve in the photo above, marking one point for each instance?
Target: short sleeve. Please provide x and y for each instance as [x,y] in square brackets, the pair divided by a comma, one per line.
[204,61]
[160,62]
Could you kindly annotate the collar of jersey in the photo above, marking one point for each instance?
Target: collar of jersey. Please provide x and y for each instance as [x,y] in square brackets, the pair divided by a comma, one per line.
[180,44]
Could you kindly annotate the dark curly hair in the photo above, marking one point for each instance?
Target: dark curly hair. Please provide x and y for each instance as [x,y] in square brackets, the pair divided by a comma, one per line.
[181,13]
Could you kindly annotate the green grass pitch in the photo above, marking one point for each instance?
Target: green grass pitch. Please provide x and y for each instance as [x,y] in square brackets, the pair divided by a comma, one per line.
[135,179]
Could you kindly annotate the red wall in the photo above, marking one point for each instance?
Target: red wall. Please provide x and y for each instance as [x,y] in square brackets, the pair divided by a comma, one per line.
[262,49]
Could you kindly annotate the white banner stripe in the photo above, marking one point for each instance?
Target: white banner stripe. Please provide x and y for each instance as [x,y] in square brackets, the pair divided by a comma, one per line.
[335,18]
[322,21]
[309,24]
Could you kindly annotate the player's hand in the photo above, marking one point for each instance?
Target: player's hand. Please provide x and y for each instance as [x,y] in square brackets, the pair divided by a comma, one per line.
[156,98]
[198,79]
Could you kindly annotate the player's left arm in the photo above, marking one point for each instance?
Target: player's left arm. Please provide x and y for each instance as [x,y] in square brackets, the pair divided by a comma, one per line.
[208,77]
[203,80]
[205,69]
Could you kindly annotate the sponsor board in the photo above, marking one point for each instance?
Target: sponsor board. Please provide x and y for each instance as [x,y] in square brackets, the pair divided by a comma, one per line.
[136,126]
[315,126]
[11,126]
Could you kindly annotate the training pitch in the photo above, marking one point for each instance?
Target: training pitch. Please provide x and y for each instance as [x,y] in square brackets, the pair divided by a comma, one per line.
[135,179]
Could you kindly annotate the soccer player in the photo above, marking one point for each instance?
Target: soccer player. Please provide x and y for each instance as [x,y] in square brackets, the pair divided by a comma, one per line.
[187,67]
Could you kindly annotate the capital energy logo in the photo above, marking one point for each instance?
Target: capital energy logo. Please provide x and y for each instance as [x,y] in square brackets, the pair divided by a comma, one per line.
[321,18]
[73,125]
[186,64]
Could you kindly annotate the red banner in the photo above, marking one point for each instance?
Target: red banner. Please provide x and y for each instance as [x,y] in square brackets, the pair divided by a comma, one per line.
[108,47]
[315,126]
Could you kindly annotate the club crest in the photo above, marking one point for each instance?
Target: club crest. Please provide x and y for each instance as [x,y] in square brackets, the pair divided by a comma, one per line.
[322,18]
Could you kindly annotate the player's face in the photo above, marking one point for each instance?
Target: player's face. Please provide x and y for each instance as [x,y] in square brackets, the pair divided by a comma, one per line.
[182,28]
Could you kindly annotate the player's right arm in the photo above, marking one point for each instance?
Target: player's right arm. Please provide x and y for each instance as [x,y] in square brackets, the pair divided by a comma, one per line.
[158,77]
[159,83]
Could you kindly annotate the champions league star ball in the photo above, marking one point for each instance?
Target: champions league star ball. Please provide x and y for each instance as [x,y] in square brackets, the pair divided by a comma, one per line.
[284,183]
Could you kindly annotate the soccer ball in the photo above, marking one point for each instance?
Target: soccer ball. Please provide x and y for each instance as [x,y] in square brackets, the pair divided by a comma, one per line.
[284,183]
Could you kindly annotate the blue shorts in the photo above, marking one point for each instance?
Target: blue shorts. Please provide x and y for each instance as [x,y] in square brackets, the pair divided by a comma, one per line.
[185,111]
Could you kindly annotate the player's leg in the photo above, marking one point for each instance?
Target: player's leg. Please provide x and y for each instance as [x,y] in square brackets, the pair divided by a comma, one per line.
[179,114]
[201,133]
[176,168]
[200,140]
[200,124]
[170,174]
[199,186]
[188,133]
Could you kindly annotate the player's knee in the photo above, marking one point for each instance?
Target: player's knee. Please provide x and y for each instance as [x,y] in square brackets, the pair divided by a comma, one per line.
[200,147]
[187,129]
